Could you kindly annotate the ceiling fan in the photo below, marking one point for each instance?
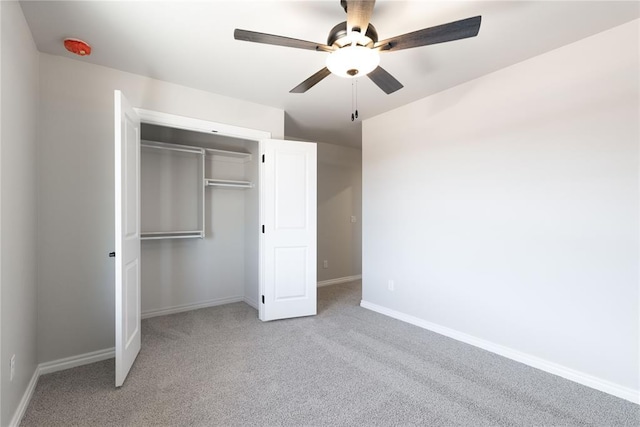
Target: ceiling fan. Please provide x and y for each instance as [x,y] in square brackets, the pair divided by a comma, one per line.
[354,48]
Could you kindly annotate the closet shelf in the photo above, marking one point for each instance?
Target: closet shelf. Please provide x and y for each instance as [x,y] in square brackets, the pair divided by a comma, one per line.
[171,147]
[157,235]
[228,155]
[214,153]
[228,183]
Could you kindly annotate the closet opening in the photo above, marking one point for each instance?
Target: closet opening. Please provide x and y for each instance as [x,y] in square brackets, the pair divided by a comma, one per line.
[199,220]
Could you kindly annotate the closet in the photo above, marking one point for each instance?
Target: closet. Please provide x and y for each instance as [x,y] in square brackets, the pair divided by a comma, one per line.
[207,214]
[199,222]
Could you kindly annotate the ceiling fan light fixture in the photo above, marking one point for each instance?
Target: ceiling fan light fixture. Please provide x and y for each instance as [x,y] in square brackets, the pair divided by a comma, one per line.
[353,61]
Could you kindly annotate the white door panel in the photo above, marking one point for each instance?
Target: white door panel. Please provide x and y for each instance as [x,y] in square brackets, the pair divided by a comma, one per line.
[290,190]
[291,271]
[288,255]
[127,216]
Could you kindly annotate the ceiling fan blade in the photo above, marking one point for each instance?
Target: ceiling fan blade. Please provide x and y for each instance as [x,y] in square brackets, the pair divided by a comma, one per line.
[384,80]
[359,14]
[311,81]
[457,30]
[253,36]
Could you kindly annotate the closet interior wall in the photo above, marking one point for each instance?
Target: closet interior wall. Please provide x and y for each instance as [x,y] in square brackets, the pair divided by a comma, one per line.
[179,274]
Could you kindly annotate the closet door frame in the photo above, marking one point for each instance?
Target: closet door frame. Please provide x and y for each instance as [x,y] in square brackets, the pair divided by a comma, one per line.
[204,126]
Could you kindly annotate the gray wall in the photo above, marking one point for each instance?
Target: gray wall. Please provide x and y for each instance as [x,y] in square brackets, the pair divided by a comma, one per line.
[339,198]
[76,225]
[19,80]
[506,208]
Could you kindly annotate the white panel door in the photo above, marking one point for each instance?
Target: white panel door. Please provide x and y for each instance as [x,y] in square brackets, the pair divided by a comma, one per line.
[288,244]
[127,195]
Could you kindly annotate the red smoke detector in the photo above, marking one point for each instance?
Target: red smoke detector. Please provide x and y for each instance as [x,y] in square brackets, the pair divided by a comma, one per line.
[77,46]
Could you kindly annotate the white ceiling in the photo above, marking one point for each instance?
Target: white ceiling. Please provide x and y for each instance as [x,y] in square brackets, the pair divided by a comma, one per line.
[191,43]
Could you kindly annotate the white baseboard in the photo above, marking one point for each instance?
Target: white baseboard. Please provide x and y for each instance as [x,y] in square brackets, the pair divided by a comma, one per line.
[26,398]
[251,302]
[536,362]
[188,307]
[55,366]
[339,280]
[75,361]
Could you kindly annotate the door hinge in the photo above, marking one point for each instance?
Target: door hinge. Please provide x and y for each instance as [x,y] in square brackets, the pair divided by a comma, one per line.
[263,229]
[263,299]
[263,158]
[112,254]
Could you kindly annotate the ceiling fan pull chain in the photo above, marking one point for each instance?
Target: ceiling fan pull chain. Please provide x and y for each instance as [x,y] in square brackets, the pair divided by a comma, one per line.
[352,115]
[356,99]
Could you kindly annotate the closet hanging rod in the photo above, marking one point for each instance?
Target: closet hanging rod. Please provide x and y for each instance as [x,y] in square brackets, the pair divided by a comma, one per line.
[195,150]
[226,181]
[228,153]
[165,237]
[171,232]
[172,148]
[156,235]
[230,184]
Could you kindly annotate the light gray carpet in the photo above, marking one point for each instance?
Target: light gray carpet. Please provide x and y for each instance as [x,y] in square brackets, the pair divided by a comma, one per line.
[346,366]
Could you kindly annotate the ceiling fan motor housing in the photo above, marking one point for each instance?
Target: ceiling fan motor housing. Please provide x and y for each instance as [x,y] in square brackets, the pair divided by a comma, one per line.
[339,32]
